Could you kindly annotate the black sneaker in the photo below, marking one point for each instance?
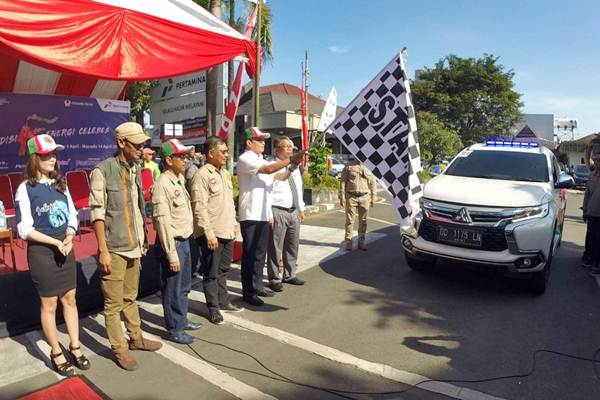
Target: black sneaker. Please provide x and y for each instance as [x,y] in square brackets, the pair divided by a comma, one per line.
[276,286]
[254,301]
[294,281]
[587,263]
[265,293]
[231,308]
[216,317]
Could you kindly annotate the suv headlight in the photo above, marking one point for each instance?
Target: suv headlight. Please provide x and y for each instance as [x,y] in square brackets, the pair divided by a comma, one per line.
[523,214]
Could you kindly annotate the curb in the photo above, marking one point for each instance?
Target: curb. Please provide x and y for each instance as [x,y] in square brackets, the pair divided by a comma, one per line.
[315,209]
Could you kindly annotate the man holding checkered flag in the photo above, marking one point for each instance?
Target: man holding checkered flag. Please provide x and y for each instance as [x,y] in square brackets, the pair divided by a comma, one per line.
[380,129]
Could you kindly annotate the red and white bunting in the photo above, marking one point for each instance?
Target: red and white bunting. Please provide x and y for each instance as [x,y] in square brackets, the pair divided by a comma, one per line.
[236,88]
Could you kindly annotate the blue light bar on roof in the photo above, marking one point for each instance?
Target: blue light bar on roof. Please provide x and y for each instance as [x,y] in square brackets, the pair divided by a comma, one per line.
[511,143]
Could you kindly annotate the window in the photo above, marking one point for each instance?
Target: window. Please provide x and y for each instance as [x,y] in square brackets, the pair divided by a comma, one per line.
[513,166]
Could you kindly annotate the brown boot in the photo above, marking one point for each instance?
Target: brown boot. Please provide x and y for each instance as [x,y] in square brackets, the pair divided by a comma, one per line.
[144,344]
[362,245]
[126,361]
[348,245]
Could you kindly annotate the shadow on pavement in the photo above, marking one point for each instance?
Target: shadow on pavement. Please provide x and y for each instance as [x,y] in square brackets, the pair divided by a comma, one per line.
[463,322]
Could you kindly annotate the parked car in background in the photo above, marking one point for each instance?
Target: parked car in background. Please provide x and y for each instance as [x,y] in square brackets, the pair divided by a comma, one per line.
[580,174]
[336,167]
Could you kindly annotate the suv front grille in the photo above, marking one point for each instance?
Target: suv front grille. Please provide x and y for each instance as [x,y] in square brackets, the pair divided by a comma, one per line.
[493,239]
[476,216]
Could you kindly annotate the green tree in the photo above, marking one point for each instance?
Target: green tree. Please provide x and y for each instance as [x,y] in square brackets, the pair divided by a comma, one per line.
[435,140]
[317,168]
[474,97]
[139,96]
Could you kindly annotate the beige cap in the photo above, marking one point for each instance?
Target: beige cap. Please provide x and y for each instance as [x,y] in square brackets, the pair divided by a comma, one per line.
[133,132]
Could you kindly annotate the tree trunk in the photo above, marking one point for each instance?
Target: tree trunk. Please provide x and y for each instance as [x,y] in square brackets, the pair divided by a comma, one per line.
[212,81]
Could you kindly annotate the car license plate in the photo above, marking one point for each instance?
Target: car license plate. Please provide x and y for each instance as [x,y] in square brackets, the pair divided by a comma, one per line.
[464,237]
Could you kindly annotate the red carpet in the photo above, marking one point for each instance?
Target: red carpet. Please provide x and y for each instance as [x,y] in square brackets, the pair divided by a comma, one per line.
[84,246]
[75,388]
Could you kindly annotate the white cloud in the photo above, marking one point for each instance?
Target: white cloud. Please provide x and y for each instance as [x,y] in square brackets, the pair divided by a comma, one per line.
[336,49]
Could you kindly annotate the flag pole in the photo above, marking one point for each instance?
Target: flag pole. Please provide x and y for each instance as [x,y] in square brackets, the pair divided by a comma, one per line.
[256,88]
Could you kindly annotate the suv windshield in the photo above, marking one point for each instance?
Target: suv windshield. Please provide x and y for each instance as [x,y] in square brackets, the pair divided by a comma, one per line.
[513,166]
[581,169]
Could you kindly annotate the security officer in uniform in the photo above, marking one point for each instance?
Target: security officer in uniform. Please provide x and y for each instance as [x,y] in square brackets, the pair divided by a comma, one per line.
[358,191]
[215,226]
[173,221]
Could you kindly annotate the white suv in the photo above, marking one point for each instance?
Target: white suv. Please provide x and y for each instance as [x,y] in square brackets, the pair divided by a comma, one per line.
[501,203]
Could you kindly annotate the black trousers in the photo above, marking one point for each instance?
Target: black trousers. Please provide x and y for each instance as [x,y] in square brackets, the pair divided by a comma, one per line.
[592,240]
[256,240]
[215,267]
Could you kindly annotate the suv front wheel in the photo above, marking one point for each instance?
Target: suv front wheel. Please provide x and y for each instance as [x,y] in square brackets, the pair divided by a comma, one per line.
[539,280]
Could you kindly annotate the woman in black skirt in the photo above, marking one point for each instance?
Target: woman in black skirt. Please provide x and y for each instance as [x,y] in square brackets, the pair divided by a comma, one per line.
[47,219]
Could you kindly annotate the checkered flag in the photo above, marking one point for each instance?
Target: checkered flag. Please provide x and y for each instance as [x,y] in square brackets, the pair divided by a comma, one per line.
[380,129]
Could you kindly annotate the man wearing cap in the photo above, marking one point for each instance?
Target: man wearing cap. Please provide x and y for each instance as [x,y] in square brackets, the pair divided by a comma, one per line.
[255,178]
[117,210]
[173,220]
[215,226]
[150,163]
[288,213]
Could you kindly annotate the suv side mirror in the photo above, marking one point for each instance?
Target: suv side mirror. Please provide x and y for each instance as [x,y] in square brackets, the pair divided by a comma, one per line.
[565,181]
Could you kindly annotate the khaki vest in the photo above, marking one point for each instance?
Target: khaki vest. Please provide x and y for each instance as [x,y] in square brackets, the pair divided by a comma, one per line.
[119,221]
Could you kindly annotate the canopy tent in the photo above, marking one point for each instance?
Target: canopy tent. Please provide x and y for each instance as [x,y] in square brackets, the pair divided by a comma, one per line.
[93,48]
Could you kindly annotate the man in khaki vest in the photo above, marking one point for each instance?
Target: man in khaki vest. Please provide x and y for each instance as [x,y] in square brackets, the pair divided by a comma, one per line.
[358,191]
[215,226]
[173,221]
[117,201]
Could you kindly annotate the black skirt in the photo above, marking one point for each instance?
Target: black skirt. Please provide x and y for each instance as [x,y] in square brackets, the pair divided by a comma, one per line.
[52,273]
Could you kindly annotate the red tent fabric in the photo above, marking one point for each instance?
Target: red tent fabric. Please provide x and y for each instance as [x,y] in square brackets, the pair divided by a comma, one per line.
[92,48]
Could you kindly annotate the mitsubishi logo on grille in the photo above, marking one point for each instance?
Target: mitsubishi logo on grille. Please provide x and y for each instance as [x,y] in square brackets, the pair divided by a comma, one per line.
[463,216]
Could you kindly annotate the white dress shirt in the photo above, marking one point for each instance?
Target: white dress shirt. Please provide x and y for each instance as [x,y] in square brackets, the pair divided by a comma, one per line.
[255,189]
[282,191]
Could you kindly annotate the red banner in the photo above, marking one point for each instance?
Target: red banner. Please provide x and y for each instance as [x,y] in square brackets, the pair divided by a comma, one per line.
[234,96]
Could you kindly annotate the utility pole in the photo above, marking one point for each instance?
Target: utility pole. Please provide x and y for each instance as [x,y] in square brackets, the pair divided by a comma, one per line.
[305,74]
[256,88]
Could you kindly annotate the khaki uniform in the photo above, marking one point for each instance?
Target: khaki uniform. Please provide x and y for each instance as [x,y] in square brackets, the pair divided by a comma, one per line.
[214,219]
[173,221]
[357,191]
[212,202]
[172,212]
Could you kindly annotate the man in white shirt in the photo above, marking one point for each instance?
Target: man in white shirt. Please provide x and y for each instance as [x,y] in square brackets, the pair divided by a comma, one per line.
[288,213]
[255,181]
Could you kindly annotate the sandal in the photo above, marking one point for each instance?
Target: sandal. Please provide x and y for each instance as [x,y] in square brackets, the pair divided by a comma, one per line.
[80,362]
[64,369]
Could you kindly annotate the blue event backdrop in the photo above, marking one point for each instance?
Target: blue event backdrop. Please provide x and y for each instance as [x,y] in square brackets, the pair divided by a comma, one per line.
[85,126]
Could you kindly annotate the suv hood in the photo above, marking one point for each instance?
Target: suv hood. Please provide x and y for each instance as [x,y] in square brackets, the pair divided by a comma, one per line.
[487,192]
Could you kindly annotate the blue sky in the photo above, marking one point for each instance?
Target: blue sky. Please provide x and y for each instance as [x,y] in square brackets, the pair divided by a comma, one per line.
[552,46]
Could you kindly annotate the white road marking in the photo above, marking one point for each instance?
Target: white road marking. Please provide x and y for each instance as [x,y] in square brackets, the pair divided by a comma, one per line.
[382,370]
[16,363]
[193,364]
[382,221]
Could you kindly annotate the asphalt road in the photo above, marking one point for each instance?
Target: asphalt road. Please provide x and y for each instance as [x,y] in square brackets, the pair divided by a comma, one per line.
[367,310]
[460,323]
